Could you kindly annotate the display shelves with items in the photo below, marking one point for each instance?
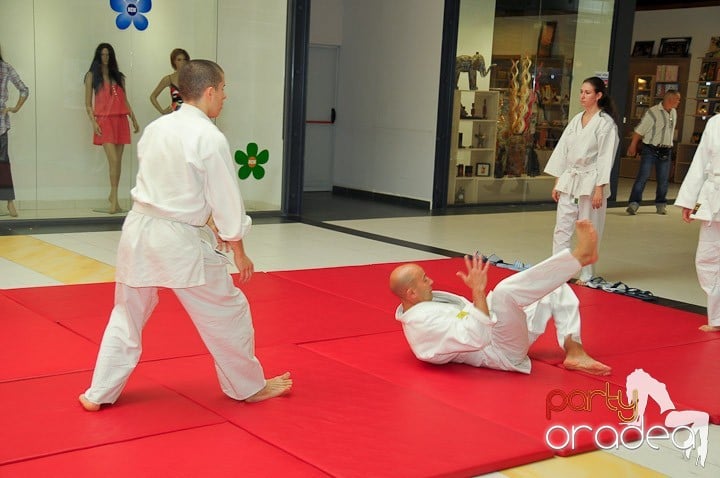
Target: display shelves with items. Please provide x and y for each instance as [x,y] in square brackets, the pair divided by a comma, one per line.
[707,104]
[642,95]
[474,133]
[651,78]
[550,79]
[685,153]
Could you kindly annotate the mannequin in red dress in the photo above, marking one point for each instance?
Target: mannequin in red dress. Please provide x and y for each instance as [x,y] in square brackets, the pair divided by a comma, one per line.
[108,108]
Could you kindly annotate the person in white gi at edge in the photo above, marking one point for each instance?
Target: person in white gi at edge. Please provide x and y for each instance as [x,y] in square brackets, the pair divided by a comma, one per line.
[186,201]
[699,198]
[496,330]
[581,162]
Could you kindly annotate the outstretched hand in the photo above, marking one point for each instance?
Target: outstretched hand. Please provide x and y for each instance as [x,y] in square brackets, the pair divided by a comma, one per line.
[477,270]
[476,280]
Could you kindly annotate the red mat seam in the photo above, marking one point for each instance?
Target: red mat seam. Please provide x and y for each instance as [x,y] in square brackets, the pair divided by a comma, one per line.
[258,437]
[114,442]
[413,390]
[309,286]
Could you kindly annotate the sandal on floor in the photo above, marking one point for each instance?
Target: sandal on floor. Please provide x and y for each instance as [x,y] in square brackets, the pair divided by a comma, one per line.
[492,259]
[597,283]
[645,295]
[622,288]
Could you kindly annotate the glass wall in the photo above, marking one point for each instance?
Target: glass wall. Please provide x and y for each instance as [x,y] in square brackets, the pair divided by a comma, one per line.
[56,169]
[519,69]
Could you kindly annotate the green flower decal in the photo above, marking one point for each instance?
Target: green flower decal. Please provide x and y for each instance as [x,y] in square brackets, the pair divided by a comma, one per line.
[251,161]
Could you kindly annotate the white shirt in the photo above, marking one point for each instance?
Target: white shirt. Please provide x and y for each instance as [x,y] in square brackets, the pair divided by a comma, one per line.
[450,329]
[185,173]
[701,185]
[583,157]
[657,126]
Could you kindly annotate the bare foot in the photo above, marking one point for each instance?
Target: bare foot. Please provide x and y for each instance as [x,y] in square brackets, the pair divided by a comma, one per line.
[709,328]
[587,365]
[11,209]
[87,404]
[274,387]
[577,359]
[586,247]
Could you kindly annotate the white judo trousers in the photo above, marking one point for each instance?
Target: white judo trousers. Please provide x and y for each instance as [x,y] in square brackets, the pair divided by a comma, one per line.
[568,212]
[218,309]
[523,304]
[707,265]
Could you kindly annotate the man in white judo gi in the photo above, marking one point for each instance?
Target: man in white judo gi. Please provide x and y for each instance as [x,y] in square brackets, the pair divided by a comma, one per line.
[699,196]
[185,181]
[496,330]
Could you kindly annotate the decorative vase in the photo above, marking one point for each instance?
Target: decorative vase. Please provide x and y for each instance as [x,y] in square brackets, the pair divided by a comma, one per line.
[515,155]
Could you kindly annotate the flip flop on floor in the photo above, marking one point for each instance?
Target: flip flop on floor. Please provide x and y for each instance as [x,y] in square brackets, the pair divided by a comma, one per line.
[645,295]
[597,283]
[622,288]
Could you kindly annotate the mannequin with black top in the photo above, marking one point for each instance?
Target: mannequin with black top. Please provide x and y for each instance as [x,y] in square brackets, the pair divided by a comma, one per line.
[178,58]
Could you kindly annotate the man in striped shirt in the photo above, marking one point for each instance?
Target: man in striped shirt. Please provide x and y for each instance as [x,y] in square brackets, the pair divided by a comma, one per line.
[656,129]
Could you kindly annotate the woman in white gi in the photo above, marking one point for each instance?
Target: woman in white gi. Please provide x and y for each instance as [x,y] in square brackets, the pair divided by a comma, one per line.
[496,331]
[582,162]
[699,196]
[186,179]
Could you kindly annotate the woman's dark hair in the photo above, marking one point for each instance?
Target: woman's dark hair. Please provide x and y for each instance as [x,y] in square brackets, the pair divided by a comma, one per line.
[113,70]
[176,53]
[605,102]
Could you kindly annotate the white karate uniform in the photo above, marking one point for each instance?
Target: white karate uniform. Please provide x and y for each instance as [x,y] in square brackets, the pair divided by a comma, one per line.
[701,189]
[185,174]
[450,329]
[582,160]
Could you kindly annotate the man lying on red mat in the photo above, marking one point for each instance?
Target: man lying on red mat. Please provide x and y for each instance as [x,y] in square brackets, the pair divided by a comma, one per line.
[496,330]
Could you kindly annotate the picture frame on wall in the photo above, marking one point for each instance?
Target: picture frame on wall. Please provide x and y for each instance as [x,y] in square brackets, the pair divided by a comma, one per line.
[482,169]
[716,110]
[703,91]
[546,39]
[702,109]
[643,48]
[708,70]
[713,50]
[677,47]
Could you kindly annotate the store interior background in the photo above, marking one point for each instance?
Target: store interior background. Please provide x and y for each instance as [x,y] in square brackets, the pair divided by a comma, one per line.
[386,146]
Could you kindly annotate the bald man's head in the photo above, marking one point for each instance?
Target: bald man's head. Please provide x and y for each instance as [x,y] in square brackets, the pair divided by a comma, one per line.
[410,283]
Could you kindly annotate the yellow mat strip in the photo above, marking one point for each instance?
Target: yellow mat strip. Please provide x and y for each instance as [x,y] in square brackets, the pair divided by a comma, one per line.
[597,463]
[55,262]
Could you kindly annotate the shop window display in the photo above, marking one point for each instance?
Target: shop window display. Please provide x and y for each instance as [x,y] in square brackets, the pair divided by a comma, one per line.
[532,54]
[57,171]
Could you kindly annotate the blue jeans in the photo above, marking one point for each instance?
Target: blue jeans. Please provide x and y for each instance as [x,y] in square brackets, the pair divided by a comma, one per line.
[650,156]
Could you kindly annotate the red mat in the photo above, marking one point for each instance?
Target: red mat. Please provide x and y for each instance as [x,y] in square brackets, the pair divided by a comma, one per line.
[31,346]
[217,450]
[42,416]
[61,302]
[283,311]
[620,325]
[513,400]
[351,424]
[369,284]
[690,373]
